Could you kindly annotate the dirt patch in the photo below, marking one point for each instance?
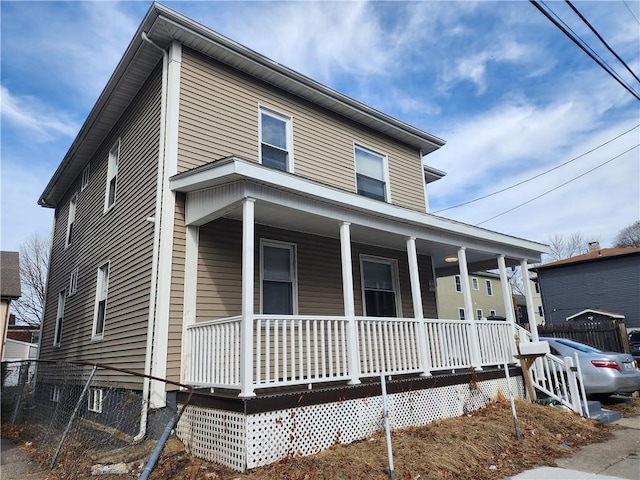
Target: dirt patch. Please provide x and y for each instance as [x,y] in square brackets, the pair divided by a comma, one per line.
[627,406]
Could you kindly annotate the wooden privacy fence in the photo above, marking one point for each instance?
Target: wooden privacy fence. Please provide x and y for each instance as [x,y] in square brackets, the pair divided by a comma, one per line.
[604,334]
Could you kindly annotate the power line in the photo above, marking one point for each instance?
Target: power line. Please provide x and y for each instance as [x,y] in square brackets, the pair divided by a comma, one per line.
[595,32]
[559,186]
[584,48]
[631,11]
[536,176]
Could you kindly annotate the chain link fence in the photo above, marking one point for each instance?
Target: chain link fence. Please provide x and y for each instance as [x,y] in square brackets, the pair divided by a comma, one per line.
[81,420]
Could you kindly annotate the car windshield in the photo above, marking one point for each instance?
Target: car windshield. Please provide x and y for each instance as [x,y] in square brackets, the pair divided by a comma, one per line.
[581,347]
[634,336]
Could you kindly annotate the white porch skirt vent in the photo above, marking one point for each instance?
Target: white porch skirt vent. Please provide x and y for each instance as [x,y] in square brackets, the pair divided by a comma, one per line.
[242,442]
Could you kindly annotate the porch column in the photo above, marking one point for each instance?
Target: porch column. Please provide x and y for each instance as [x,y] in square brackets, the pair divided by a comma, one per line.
[246,328]
[468,308]
[418,313]
[531,313]
[506,289]
[190,301]
[349,304]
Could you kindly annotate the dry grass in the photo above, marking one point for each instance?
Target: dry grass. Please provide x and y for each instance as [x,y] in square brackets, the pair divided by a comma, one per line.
[478,446]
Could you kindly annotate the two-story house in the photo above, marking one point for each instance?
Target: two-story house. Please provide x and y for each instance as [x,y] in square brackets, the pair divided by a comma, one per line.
[228,223]
[604,279]
[486,295]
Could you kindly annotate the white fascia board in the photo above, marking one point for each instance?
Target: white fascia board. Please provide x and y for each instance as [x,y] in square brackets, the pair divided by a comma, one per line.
[233,168]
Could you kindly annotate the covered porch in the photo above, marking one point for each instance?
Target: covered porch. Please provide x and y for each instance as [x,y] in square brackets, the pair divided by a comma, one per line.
[361,306]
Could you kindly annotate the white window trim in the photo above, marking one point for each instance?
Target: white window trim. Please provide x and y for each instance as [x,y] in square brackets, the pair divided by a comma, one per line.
[292,247]
[489,288]
[73,282]
[457,280]
[57,334]
[95,399]
[479,314]
[475,283]
[94,334]
[462,314]
[110,174]
[84,182]
[288,120]
[394,273]
[385,169]
[71,218]
[55,393]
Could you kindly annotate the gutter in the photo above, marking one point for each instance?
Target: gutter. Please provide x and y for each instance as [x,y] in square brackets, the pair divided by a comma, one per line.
[148,361]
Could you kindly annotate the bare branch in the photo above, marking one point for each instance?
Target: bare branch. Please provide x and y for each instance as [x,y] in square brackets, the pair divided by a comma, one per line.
[628,237]
[34,262]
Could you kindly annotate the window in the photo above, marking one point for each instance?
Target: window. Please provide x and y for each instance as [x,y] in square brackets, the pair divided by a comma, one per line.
[492,313]
[71,219]
[73,282]
[381,296]
[85,178]
[275,141]
[57,336]
[112,177]
[461,314]
[278,278]
[537,286]
[95,397]
[101,302]
[458,283]
[55,393]
[475,283]
[540,312]
[371,174]
[479,314]
[489,288]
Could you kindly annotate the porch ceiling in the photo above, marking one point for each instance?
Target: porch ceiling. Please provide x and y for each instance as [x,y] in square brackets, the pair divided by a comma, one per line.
[290,202]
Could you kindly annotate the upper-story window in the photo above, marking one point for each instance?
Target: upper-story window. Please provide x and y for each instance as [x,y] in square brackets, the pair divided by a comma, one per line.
[371,174]
[85,178]
[489,288]
[73,282]
[475,283]
[275,141]
[71,219]
[458,282]
[112,177]
[57,334]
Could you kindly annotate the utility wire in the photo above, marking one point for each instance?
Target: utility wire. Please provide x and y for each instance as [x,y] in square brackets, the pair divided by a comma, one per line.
[556,188]
[535,176]
[595,32]
[631,11]
[594,57]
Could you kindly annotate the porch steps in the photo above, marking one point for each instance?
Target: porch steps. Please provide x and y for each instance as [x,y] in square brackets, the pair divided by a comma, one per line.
[602,414]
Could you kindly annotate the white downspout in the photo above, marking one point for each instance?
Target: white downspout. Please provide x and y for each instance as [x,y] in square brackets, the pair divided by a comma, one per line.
[156,244]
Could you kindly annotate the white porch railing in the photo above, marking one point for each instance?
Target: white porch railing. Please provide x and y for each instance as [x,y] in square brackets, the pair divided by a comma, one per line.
[300,350]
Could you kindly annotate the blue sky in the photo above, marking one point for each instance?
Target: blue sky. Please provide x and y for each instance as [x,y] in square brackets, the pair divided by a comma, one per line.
[510,94]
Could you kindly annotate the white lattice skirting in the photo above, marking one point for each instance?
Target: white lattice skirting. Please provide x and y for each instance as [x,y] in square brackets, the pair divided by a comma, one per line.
[242,441]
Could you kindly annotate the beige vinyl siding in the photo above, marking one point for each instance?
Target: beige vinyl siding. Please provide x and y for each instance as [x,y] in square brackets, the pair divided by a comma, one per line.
[319,272]
[122,236]
[450,301]
[219,111]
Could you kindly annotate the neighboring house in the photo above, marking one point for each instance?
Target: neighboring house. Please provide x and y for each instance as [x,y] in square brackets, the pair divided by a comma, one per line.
[226,222]
[486,295]
[22,341]
[10,290]
[605,279]
[520,303]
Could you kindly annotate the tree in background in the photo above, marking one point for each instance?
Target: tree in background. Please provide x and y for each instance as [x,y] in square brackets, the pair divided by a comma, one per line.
[562,247]
[34,262]
[628,236]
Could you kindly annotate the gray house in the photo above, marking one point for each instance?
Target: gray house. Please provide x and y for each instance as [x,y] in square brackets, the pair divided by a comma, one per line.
[605,279]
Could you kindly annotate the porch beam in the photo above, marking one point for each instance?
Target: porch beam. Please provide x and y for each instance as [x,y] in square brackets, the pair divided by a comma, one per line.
[531,313]
[468,307]
[349,304]
[246,327]
[506,290]
[418,313]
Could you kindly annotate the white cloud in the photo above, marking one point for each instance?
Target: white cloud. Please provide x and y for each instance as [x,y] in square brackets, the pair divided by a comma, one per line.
[28,112]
